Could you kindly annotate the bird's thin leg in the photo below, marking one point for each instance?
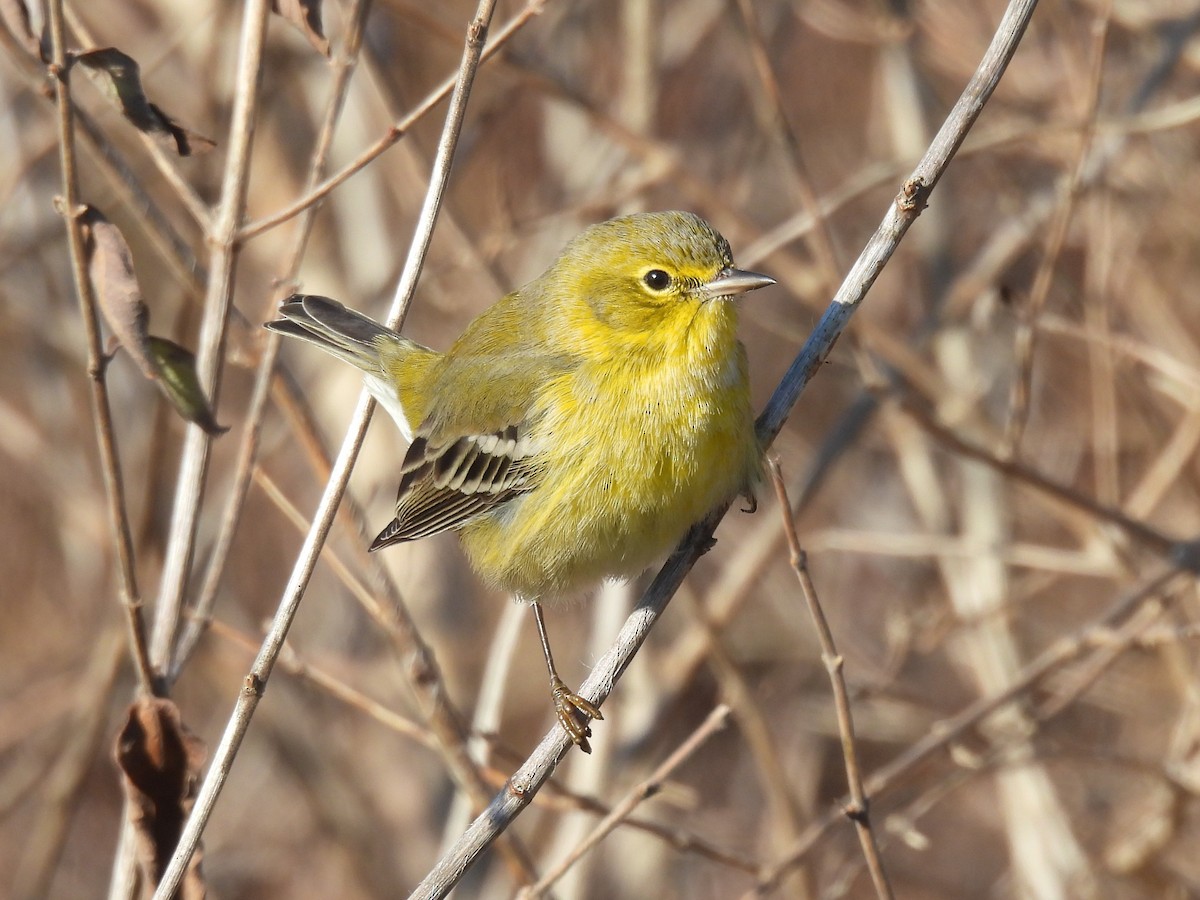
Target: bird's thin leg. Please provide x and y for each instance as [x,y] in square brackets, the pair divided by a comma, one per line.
[568,705]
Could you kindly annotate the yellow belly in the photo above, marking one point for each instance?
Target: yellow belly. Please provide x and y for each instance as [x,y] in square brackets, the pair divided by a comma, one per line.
[675,445]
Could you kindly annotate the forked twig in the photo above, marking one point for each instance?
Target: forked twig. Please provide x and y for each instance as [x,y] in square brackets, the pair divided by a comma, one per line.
[712,723]
[106,439]
[394,133]
[858,810]
[218,301]
[519,791]
[1058,654]
[306,560]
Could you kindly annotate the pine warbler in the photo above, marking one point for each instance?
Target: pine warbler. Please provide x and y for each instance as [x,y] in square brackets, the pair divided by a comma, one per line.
[580,425]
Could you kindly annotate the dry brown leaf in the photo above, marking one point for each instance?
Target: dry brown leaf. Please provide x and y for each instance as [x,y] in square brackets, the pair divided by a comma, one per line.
[160,761]
[119,76]
[305,15]
[110,269]
[170,366]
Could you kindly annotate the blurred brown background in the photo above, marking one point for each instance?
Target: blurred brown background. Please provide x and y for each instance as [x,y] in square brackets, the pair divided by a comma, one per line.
[1061,252]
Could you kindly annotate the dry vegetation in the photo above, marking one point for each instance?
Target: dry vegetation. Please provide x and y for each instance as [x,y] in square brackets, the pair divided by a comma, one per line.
[989,474]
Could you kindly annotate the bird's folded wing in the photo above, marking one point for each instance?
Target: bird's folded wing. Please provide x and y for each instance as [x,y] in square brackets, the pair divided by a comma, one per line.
[480,444]
[445,485]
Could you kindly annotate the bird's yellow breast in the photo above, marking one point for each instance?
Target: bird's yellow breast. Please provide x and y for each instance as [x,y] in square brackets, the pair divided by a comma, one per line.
[676,439]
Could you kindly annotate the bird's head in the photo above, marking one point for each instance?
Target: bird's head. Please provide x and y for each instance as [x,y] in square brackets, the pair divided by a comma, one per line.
[653,275]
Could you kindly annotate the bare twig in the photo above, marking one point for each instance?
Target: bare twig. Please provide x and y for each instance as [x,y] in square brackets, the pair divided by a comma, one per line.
[900,215]
[555,797]
[252,433]
[452,736]
[106,440]
[1095,633]
[394,134]
[218,299]
[1140,531]
[291,663]
[1070,191]
[256,680]
[381,600]
[162,161]
[857,810]
[713,723]
[394,616]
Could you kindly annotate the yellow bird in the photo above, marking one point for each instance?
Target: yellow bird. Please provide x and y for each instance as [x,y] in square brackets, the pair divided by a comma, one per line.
[581,424]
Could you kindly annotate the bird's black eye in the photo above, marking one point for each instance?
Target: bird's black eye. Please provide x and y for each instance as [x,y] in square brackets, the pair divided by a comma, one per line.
[656,279]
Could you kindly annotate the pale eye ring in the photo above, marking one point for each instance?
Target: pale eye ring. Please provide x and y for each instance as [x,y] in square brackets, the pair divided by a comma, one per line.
[657,280]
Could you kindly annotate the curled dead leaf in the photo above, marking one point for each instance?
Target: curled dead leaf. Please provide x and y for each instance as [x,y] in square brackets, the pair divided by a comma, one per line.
[160,762]
[170,366]
[110,269]
[119,77]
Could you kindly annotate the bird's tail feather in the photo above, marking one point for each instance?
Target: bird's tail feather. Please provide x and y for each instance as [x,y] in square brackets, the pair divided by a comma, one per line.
[327,324]
[376,351]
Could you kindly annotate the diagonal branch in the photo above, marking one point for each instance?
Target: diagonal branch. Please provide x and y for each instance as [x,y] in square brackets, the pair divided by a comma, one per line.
[522,786]
[256,680]
[106,440]
[218,300]
[857,810]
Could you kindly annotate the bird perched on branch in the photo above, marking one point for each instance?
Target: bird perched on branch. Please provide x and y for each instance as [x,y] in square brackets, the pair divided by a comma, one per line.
[581,424]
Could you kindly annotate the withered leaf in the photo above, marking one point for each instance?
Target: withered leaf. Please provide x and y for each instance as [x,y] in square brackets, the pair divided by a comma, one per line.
[15,15]
[119,76]
[171,367]
[178,380]
[110,269]
[305,15]
[160,762]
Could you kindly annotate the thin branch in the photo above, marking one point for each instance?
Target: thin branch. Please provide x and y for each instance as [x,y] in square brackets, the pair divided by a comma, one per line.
[319,679]
[260,672]
[858,810]
[393,617]
[713,723]
[383,602]
[218,299]
[106,439]
[453,737]
[1069,192]
[162,160]
[519,791]
[394,134]
[248,448]
[556,797]
[1096,633]
[1138,530]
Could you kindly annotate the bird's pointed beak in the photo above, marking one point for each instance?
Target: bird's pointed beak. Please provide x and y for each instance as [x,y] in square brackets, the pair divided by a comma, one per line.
[731,282]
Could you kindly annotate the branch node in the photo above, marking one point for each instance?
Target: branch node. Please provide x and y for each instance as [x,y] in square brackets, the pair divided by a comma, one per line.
[253,686]
[858,813]
[517,788]
[914,196]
